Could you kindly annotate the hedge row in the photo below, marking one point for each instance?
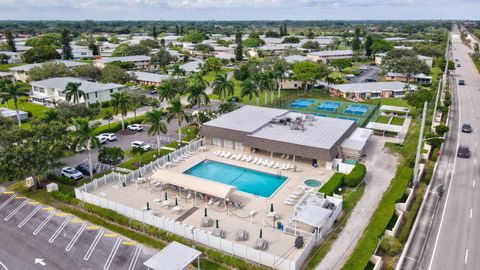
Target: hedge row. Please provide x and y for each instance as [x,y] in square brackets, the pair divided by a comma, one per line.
[117,126]
[379,221]
[332,186]
[353,179]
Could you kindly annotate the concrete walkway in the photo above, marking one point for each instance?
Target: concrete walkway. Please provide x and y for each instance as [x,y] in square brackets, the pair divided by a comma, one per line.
[381,167]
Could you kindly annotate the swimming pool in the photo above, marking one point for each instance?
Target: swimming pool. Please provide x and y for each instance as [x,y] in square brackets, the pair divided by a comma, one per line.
[246,180]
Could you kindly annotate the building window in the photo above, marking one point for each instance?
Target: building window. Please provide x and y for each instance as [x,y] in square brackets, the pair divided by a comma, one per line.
[88,96]
[111,91]
[96,94]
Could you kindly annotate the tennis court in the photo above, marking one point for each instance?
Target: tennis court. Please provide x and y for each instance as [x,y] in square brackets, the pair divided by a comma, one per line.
[302,103]
[328,106]
[356,109]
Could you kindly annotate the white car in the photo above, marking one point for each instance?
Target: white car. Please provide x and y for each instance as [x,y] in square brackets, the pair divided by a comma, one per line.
[102,139]
[144,146]
[72,173]
[110,136]
[135,127]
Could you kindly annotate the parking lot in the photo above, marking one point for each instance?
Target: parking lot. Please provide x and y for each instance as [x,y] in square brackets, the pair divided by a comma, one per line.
[35,236]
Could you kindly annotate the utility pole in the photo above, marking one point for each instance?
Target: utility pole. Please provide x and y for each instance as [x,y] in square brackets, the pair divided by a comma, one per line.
[419,146]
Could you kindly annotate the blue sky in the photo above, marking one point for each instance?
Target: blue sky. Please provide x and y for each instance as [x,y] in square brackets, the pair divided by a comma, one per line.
[238,9]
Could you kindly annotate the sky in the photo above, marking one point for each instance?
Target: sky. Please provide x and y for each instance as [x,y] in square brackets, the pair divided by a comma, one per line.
[238,9]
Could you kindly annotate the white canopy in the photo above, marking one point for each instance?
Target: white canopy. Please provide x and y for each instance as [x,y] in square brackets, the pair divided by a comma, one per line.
[175,256]
[397,109]
[384,127]
[186,181]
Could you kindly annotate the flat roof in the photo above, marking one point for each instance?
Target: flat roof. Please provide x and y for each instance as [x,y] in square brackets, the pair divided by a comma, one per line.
[192,66]
[312,209]
[384,127]
[175,256]
[10,113]
[358,139]
[394,109]
[332,53]
[151,77]
[295,58]
[28,67]
[131,58]
[372,87]
[198,184]
[86,86]
[321,132]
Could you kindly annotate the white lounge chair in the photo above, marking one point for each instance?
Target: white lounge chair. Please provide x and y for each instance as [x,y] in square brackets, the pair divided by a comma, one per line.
[293,197]
[191,153]
[270,165]
[249,158]
[255,160]
[288,202]
[265,162]
[222,154]
[281,167]
[276,165]
[239,156]
[297,193]
[244,157]
[227,155]
[260,161]
[287,167]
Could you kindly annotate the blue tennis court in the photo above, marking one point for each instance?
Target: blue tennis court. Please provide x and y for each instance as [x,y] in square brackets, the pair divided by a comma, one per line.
[328,106]
[356,109]
[302,103]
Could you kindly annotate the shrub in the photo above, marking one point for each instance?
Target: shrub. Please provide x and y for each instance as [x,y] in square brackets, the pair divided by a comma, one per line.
[390,245]
[441,129]
[356,175]
[332,186]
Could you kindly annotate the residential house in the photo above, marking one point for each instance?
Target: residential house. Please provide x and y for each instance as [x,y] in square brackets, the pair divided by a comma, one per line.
[426,59]
[12,114]
[147,78]
[20,73]
[49,91]
[372,90]
[327,56]
[418,78]
[13,57]
[141,62]
[193,66]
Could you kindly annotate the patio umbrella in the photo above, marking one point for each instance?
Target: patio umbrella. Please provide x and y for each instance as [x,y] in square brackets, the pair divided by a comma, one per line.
[205,211]
[216,223]
[261,233]
[271,208]
[166,196]
[176,201]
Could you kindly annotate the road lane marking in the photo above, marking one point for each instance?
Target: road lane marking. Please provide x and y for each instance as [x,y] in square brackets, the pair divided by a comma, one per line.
[61,215]
[29,216]
[128,243]
[93,245]
[466,256]
[471,213]
[7,201]
[475,143]
[37,230]
[111,235]
[59,230]
[3,265]
[76,236]
[20,197]
[47,208]
[473,183]
[475,161]
[134,260]
[112,254]
[93,228]
[8,192]
[76,220]
[15,210]
[33,203]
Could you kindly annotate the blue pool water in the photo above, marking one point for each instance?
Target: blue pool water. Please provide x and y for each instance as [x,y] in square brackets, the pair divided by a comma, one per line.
[246,180]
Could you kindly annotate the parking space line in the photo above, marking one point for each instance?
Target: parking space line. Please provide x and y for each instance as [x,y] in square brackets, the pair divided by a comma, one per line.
[15,210]
[111,235]
[76,220]
[112,253]
[134,260]
[57,232]
[3,265]
[20,197]
[7,201]
[37,230]
[29,216]
[93,245]
[8,192]
[128,243]
[47,208]
[33,203]
[93,228]
[76,236]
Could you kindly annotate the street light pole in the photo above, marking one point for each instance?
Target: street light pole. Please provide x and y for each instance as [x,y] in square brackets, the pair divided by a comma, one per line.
[419,146]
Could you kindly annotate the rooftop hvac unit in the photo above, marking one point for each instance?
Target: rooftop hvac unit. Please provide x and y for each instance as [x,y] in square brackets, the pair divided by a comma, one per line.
[299,242]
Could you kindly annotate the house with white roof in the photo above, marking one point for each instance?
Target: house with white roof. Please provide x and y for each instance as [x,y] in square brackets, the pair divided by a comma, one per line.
[327,56]
[141,61]
[426,59]
[12,114]
[20,73]
[49,91]
[13,57]
[292,59]
[417,78]
[372,90]
[147,78]
[193,66]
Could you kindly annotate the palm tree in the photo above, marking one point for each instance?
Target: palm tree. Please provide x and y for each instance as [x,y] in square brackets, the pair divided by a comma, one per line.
[166,91]
[196,94]
[121,102]
[177,70]
[249,89]
[223,87]
[177,110]
[138,152]
[108,116]
[279,71]
[84,135]
[23,101]
[157,125]
[51,115]
[12,91]
[199,79]
[135,106]
[73,93]
[227,107]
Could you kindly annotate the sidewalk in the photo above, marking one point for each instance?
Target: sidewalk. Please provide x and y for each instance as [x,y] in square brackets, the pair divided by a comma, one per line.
[381,167]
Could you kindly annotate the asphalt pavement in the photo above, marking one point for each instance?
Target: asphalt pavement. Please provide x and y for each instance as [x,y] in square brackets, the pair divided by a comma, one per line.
[35,236]
[454,242]
[370,73]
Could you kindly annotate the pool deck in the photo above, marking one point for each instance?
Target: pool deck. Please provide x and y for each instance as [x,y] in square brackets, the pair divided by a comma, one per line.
[137,196]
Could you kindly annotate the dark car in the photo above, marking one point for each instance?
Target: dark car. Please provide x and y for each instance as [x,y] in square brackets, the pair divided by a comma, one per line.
[466,128]
[153,92]
[463,151]
[461,82]
[83,168]
[458,65]
[370,80]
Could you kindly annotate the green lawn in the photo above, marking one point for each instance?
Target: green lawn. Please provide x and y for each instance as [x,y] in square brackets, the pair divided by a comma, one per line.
[398,121]
[210,76]
[383,119]
[5,67]
[35,109]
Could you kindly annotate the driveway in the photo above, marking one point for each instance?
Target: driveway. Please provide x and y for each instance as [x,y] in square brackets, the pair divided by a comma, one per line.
[370,73]
[381,166]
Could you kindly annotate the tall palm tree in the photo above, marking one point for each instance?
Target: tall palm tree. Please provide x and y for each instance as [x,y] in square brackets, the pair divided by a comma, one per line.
[177,71]
[157,125]
[166,91]
[249,89]
[196,94]
[73,93]
[199,79]
[227,107]
[84,135]
[121,102]
[51,115]
[12,91]
[222,86]
[279,71]
[108,116]
[177,110]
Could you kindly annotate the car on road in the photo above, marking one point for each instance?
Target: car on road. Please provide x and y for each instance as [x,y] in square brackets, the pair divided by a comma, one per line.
[463,151]
[110,136]
[135,127]
[461,82]
[102,139]
[364,68]
[458,65]
[466,128]
[144,146]
[153,92]
[84,169]
[72,173]
[349,76]
[370,80]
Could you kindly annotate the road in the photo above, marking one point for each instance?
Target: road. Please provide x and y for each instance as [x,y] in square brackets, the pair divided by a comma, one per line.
[35,236]
[454,242]
[370,73]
